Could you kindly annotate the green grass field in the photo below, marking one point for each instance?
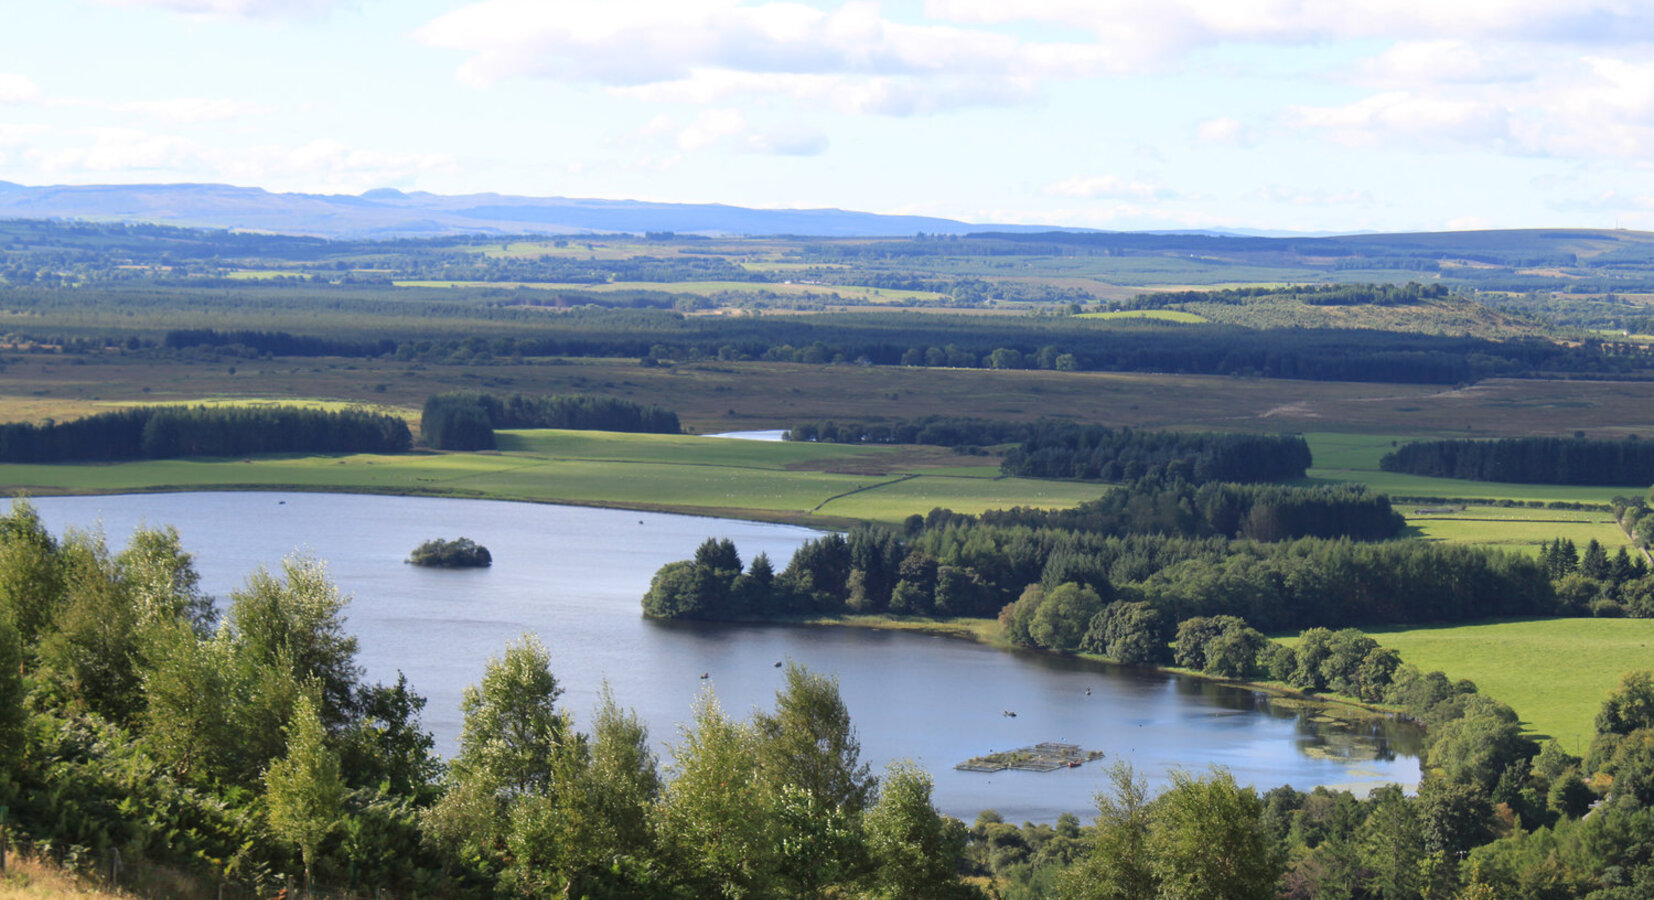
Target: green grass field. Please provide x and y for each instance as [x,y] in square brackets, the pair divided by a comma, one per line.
[1554,672]
[1355,457]
[1165,315]
[1515,528]
[1351,457]
[897,499]
[825,484]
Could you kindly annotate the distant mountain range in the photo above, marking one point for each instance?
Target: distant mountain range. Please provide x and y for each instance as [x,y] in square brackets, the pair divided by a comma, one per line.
[391,213]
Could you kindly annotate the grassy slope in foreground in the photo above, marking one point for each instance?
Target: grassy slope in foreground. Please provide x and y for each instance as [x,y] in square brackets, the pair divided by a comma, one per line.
[32,879]
[822,484]
[1554,672]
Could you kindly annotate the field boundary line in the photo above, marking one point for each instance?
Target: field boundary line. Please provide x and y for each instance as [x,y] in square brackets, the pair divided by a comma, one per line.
[883,484]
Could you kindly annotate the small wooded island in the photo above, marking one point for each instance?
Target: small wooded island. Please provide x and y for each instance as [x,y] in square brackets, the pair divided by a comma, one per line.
[462,553]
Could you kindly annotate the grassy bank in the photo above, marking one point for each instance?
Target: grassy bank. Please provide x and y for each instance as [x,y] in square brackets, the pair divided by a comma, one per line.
[1554,672]
[820,484]
[30,879]
[988,632]
[823,484]
[983,631]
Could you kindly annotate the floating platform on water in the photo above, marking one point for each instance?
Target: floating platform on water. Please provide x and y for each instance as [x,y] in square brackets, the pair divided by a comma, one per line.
[1043,757]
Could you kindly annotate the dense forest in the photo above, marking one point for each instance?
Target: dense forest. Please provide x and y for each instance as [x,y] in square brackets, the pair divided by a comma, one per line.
[1056,343]
[954,565]
[1315,295]
[1057,450]
[165,432]
[466,420]
[936,431]
[1153,505]
[495,326]
[1528,460]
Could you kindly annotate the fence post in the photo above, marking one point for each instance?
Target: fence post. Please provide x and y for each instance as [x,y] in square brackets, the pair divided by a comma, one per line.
[114,867]
[3,841]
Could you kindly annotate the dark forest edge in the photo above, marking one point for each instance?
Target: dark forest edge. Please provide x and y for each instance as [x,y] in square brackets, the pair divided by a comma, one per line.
[1532,460]
[1062,344]
[1053,449]
[167,432]
[466,420]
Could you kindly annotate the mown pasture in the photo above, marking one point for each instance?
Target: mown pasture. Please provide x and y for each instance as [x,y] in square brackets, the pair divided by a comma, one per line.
[1347,457]
[1554,672]
[1514,528]
[825,485]
[1472,515]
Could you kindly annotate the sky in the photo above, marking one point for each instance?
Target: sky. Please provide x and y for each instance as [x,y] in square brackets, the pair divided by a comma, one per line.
[1290,115]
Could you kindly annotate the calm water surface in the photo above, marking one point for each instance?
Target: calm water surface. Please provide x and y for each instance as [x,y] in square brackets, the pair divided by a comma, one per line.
[575,576]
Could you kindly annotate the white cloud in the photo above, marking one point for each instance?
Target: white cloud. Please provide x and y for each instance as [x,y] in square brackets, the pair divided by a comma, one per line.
[1226,130]
[15,134]
[706,51]
[1409,117]
[1143,33]
[1124,215]
[18,88]
[711,127]
[660,125]
[1300,197]
[118,150]
[330,165]
[1598,107]
[1108,186]
[729,130]
[192,110]
[1609,200]
[320,165]
[790,142]
[888,96]
[1415,63]
[243,9]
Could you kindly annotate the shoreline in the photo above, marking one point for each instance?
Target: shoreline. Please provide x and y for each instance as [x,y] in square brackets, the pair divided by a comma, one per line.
[801,519]
[976,630]
[983,631]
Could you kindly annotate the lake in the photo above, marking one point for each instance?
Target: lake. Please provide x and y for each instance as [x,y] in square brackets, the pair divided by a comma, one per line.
[575,576]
